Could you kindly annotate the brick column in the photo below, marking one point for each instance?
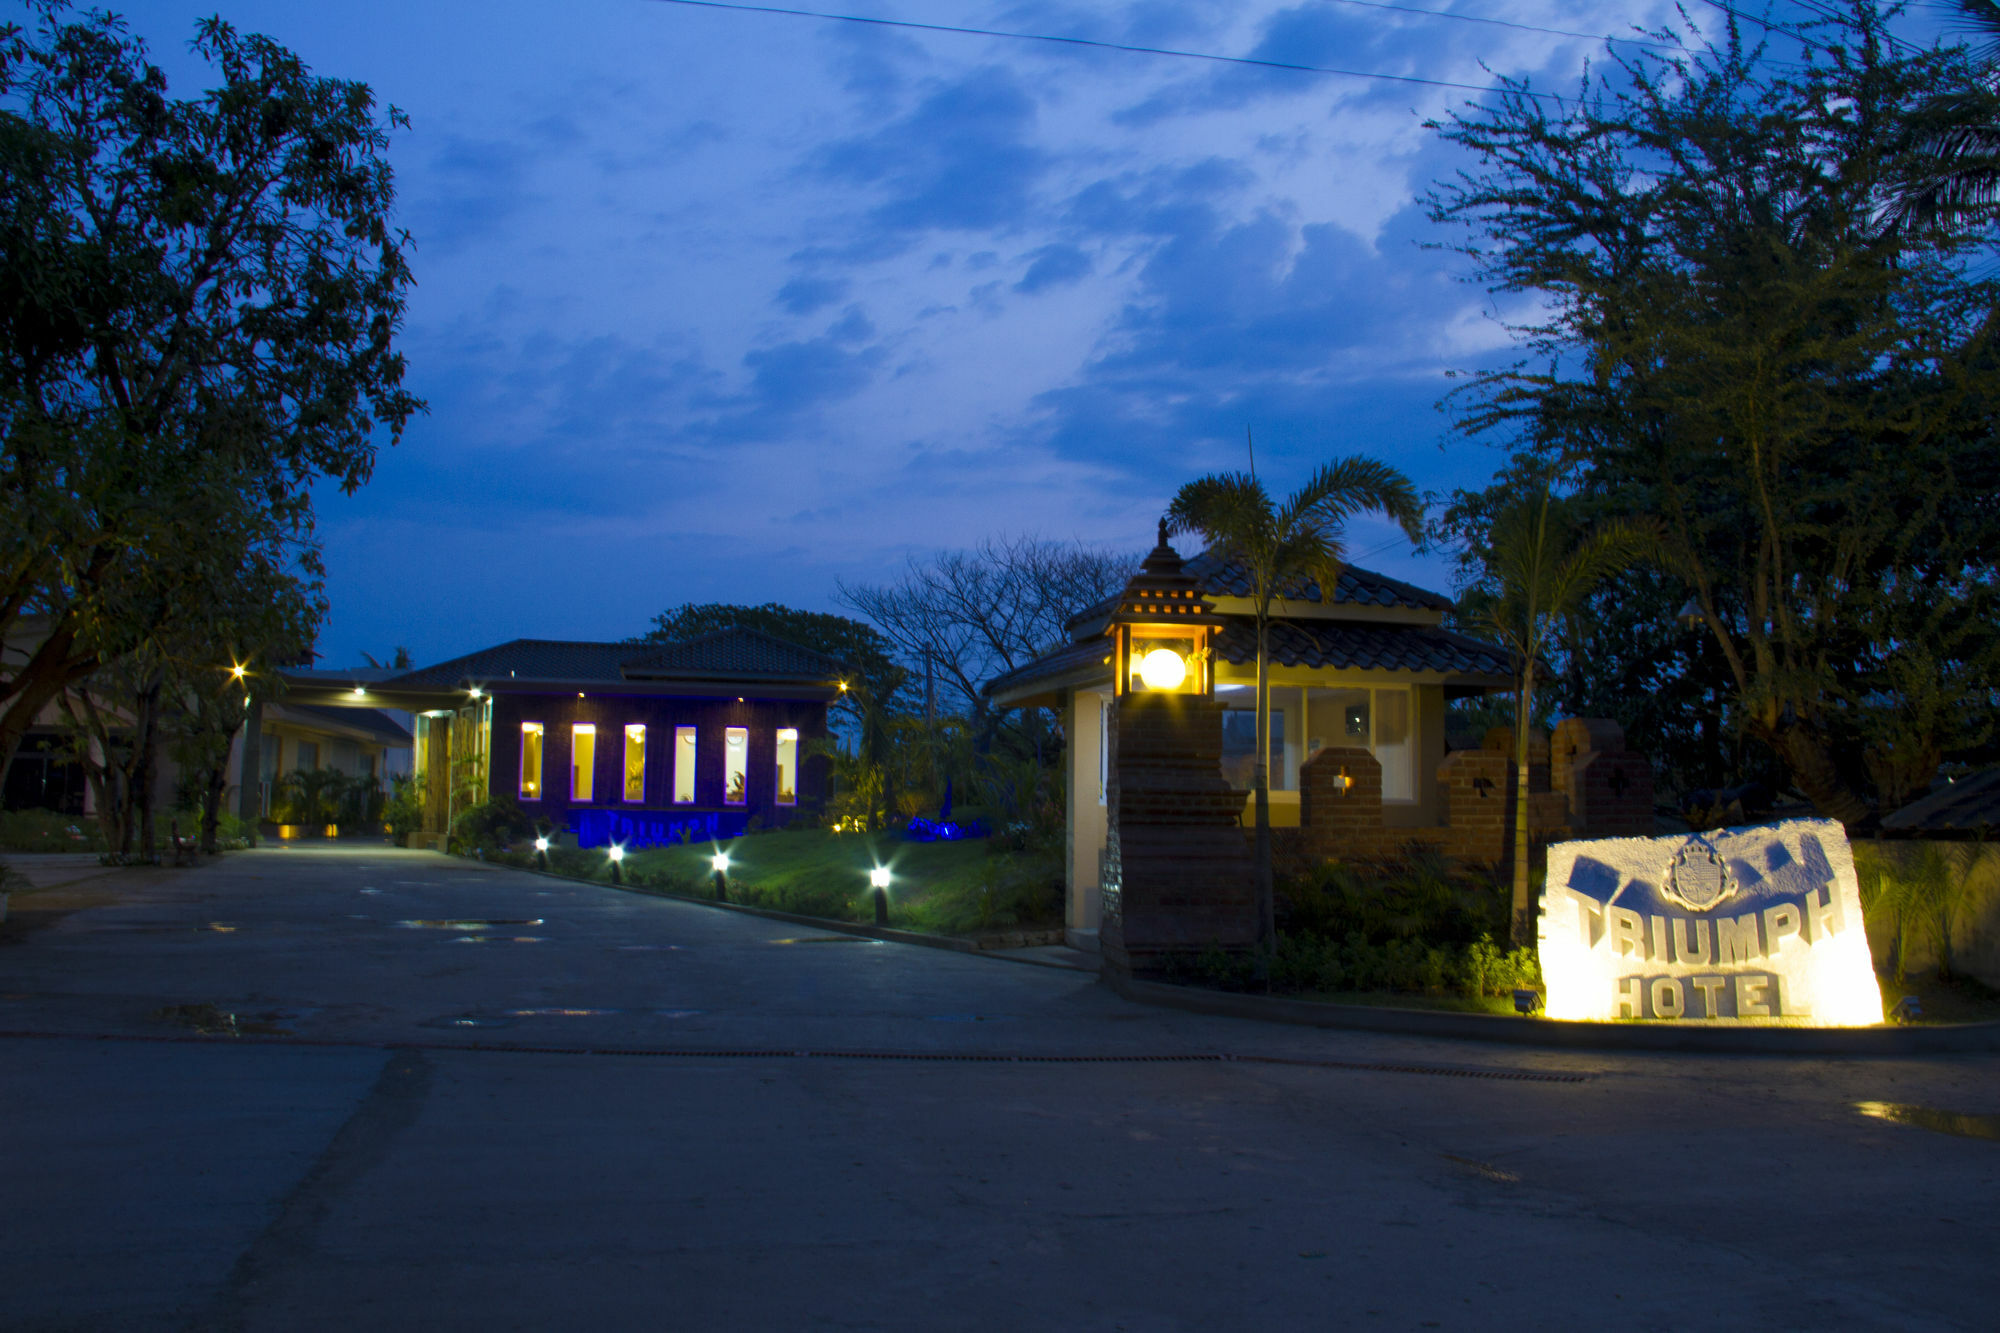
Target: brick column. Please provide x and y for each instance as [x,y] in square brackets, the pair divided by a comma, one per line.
[1177,872]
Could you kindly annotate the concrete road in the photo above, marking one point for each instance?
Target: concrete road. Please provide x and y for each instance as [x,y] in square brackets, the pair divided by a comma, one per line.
[474,1098]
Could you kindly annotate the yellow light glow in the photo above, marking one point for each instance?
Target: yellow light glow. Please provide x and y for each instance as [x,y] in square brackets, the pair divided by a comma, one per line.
[1163,669]
[237,671]
[475,691]
[843,687]
[360,693]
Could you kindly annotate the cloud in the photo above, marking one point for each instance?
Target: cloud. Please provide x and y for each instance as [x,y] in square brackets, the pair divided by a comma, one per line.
[963,159]
[1055,266]
[804,295]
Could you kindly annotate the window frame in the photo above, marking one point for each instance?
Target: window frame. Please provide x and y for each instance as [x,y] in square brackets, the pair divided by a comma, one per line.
[692,744]
[587,772]
[784,735]
[625,773]
[539,730]
[741,735]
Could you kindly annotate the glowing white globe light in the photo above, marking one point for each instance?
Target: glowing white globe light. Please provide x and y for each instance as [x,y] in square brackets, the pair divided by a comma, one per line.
[720,861]
[1162,669]
[617,853]
[541,844]
[879,877]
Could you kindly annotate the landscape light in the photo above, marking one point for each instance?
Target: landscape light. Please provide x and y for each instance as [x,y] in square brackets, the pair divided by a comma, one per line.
[360,693]
[475,691]
[236,670]
[616,852]
[541,844]
[1163,669]
[719,863]
[878,878]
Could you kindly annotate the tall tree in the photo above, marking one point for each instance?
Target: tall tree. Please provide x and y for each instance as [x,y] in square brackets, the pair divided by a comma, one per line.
[181,280]
[1538,566]
[1280,546]
[1731,344]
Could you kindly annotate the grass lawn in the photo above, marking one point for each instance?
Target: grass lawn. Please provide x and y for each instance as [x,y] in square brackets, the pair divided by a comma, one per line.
[948,887]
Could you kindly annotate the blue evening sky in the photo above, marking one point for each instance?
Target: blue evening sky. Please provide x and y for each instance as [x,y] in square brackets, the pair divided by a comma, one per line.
[724,306]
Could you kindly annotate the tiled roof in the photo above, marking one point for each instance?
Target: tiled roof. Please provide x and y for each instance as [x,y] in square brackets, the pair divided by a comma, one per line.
[1335,645]
[732,652]
[1362,646]
[1357,586]
[1964,806]
[1055,664]
[528,659]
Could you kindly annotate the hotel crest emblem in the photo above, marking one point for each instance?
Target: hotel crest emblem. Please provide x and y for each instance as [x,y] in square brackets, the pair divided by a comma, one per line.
[1697,880]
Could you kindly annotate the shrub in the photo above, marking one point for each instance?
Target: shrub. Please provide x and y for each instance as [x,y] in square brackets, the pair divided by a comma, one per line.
[404,809]
[1420,894]
[1313,963]
[492,825]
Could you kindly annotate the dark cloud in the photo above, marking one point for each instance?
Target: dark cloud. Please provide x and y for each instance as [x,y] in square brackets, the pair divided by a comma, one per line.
[1055,266]
[963,159]
[795,377]
[804,295]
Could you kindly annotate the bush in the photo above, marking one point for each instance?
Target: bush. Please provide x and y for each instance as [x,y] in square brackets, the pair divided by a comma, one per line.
[1311,963]
[404,809]
[48,831]
[1420,894]
[494,824]
[230,831]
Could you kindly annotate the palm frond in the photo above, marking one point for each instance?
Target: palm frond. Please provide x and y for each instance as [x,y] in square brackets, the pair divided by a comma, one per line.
[1341,489]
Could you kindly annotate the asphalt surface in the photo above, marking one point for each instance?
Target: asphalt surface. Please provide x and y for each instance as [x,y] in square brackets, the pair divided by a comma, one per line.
[464,1097]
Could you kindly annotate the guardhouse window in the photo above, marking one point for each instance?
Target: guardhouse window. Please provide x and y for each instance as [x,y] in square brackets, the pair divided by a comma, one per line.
[635,762]
[788,765]
[684,765]
[735,765]
[531,761]
[582,760]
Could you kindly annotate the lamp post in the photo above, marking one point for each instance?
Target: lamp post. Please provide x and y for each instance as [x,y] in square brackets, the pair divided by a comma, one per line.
[878,882]
[720,864]
[542,852]
[617,855]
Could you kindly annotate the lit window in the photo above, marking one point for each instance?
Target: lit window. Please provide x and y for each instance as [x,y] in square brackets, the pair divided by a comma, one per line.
[788,766]
[635,762]
[531,761]
[684,765]
[736,764]
[582,760]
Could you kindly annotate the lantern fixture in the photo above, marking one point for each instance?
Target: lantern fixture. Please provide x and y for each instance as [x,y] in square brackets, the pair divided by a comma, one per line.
[1163,631]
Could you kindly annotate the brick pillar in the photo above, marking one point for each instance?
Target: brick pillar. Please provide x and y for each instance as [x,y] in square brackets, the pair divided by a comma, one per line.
[1177,870]
[1479,801]
[1609,790]
[1340,804]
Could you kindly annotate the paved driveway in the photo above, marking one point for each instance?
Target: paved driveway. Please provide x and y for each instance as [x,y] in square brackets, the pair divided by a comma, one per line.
[475,1098]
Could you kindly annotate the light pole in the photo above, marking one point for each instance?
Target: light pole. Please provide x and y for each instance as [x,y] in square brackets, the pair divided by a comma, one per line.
[542,852]
[617,854]
[878,881]
[720,864]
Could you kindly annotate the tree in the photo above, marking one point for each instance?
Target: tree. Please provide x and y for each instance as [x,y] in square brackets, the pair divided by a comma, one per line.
[965,617]
[1951,171]
[1730,344]
[182,282]
[1538,568]
[1280,546]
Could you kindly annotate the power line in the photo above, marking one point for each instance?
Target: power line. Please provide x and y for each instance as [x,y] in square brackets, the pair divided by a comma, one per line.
[1132,49]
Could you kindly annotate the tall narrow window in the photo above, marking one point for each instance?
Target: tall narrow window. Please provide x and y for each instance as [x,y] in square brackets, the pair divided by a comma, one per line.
[788,765]
[736,764]
[683,765]
[531,761]
[635,762]
[582,760]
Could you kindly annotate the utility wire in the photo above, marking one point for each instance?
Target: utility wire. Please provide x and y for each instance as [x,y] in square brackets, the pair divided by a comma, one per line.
[1130,48]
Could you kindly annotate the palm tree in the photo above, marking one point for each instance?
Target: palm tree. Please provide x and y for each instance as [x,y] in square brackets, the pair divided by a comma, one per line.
[1281,547]
[1539,570]
[1954,139]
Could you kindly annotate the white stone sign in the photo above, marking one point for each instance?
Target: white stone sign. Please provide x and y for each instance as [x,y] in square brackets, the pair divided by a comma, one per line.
[1744,925]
